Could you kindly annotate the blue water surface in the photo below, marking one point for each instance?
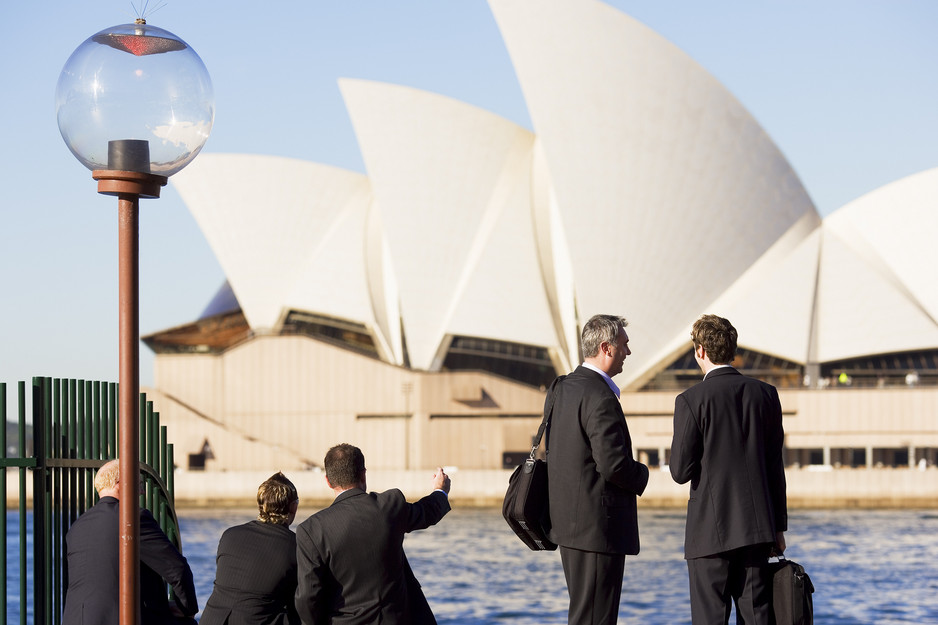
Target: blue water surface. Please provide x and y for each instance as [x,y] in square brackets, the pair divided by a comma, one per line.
[869,566]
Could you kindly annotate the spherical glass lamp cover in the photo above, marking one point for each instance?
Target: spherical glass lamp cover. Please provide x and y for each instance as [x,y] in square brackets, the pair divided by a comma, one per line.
[135,97]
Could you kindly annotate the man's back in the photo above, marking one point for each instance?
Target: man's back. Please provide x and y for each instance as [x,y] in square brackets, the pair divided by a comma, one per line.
[593,476]
[255,578]
[728,442]
[352,567]
[92,544]
[93,575]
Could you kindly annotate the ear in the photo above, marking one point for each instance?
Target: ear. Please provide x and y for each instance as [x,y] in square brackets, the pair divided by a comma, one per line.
[328,483]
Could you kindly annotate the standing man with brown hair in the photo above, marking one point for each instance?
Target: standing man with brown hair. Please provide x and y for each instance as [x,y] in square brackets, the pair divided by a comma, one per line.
[593,478]
[728,440]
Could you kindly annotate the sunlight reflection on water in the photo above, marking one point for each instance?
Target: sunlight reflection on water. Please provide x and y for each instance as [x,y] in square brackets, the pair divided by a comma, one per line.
[869,566]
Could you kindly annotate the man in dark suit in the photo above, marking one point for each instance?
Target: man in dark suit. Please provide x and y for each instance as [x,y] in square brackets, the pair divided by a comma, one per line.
[727,443]
[350,556]
[255,576]
[92,545]
[593,478]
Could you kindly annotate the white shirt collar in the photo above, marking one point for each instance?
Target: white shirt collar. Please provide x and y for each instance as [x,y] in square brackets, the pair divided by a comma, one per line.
[612,385]
[715,368]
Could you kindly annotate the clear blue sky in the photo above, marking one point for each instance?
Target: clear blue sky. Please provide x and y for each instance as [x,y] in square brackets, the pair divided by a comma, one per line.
[848,89]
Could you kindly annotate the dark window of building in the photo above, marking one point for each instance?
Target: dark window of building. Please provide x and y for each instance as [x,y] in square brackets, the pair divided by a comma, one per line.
[346,334]
[683,372]
[803,457]
[649,457]
[848,458]
[893,457]
[914,368]
[527,364]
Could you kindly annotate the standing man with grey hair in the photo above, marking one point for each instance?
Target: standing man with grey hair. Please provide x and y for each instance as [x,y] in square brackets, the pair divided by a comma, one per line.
[727,443]
[593,478]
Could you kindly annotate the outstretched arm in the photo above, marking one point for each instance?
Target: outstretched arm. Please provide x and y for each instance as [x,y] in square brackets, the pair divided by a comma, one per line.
[430,509]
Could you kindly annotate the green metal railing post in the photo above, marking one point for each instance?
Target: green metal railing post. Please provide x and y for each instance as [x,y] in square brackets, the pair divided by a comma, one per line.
[59,581]
[72,486]
[42,521]
[21,433]
[3,502]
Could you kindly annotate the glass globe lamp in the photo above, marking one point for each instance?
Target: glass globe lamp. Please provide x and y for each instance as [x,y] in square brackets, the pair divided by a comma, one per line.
[135,98]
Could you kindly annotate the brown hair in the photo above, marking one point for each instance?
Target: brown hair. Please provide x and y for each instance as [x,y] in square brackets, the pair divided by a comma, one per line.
[275,496]
[345,466]
[718,337]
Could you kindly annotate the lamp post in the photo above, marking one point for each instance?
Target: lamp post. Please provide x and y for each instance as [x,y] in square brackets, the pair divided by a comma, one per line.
[135,105]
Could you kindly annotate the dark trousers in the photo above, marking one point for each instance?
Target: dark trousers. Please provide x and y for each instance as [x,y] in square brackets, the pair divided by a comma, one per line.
[594,581]
[741,576]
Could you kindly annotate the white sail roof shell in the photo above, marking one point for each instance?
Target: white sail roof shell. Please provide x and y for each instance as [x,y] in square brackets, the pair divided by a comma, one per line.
[877,290]
[288,234]
[668,189]
[453,186]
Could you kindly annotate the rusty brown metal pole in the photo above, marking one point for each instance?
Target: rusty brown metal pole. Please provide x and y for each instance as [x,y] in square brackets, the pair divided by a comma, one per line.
[129,187]
[129,446]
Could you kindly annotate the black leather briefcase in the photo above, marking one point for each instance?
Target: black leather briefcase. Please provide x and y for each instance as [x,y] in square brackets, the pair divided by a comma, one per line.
[792,602]
[526,506]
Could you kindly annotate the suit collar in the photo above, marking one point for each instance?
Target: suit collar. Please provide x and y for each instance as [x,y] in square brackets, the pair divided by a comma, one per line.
[602,376]
[352,492]
[723,370]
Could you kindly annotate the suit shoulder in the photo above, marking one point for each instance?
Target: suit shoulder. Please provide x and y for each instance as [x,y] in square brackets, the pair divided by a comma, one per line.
[763,386]
[584,381]
[394,493]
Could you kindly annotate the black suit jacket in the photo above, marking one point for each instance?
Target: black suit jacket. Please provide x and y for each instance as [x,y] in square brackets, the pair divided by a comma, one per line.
[593,478]
[728,440]
[255,577]
[351,563]
[92,548]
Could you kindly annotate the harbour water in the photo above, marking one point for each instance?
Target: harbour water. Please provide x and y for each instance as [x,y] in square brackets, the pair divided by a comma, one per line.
[869,566]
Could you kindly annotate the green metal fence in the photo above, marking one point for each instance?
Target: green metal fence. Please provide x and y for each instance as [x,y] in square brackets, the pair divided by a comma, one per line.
[74,431]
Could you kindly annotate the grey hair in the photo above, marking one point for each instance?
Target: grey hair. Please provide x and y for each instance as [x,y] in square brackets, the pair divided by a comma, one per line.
[598,330]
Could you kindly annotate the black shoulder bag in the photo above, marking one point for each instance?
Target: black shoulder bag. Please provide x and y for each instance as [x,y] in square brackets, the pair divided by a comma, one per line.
[526,506]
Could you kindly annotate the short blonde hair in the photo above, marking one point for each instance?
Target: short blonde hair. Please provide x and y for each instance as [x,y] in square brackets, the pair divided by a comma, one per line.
[108,476]
[275,496]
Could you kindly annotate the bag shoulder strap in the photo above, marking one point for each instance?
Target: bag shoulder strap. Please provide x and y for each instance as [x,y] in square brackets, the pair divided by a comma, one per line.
[548,410]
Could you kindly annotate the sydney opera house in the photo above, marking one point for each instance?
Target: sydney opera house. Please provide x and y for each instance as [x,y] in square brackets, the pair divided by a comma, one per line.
[421,308]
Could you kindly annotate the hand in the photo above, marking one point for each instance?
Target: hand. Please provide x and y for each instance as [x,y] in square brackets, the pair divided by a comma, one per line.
[780,543]
[441,480]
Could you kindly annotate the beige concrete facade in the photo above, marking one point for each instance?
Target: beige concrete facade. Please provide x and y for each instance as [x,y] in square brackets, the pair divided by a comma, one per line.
[854,488]
[278,403]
